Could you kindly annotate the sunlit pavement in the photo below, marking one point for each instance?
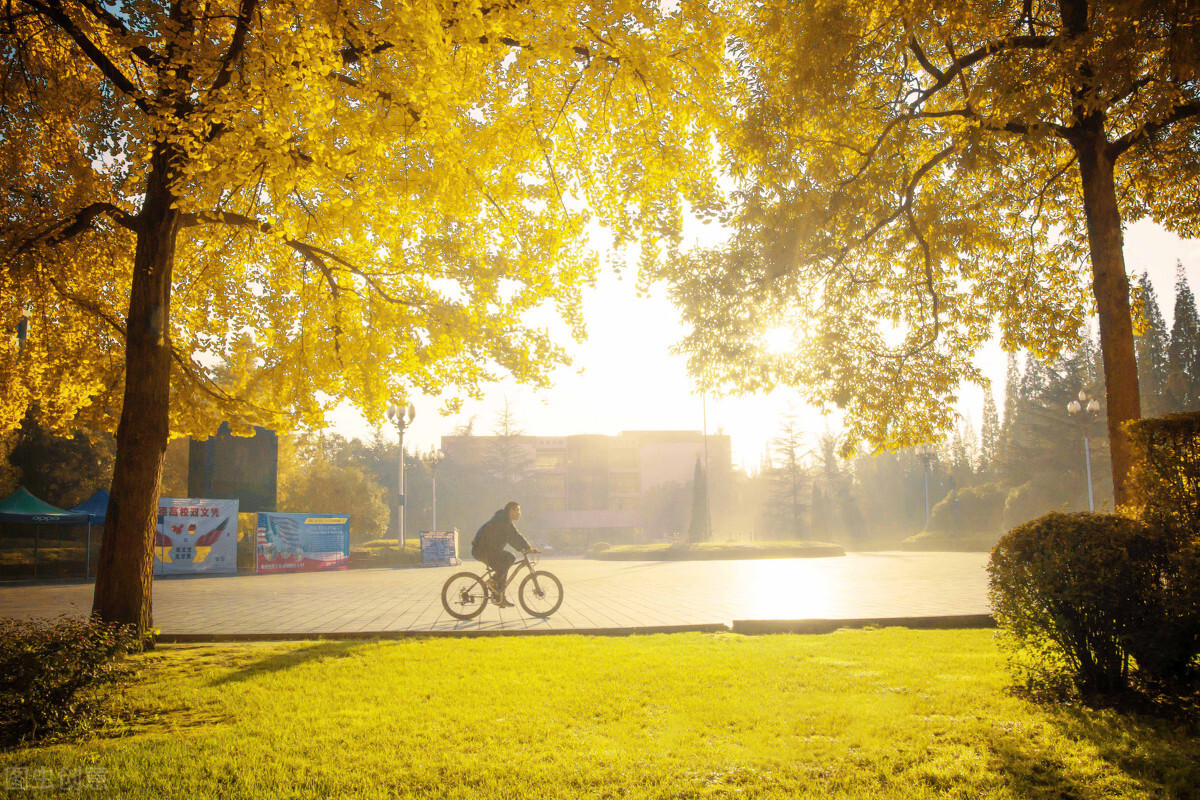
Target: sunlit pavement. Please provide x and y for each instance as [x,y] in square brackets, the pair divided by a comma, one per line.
[599,595]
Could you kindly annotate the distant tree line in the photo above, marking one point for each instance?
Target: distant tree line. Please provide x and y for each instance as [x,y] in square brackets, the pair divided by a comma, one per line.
[1026,458]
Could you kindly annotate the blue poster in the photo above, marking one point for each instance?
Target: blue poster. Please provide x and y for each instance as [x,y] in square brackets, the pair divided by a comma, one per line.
[302,542]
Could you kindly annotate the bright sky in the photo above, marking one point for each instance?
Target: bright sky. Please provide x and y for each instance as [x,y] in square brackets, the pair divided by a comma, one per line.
[625,378]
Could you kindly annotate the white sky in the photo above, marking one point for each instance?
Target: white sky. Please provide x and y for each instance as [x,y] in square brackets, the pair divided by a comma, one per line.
[625,378]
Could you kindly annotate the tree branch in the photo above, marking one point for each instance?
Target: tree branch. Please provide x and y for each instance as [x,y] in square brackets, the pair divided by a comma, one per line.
[1181,112]
[78,222]
[236,47]
[981,53]
[52,9]
[115,24]
[317,256]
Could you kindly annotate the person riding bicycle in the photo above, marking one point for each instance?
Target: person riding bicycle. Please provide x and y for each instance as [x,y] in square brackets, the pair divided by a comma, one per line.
[491,539]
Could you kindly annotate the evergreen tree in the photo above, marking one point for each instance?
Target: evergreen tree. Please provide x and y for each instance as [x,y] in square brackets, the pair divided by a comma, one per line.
[1012,388]
[698,531]
[1183,356]
[507,458]
[787,478]
[989,434]
[1152,346]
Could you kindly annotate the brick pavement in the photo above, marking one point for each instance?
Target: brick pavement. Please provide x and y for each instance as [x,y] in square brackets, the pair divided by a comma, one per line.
[599,595]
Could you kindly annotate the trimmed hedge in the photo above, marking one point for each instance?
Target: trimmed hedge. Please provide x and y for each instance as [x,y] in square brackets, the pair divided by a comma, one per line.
[1076,595]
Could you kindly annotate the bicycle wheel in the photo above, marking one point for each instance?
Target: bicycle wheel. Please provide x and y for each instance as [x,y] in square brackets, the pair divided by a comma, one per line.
[541,594]
[464,595]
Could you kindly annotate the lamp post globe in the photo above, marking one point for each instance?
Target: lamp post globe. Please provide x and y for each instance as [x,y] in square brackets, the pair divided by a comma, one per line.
[1084,407]
[434,462]
[401,417]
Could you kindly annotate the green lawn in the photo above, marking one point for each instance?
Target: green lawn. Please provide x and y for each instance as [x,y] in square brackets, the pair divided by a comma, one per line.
[855,714]
[715,551]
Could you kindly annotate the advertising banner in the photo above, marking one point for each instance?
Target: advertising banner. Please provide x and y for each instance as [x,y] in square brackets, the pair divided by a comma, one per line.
[302,542]
[439,549]
[195,535]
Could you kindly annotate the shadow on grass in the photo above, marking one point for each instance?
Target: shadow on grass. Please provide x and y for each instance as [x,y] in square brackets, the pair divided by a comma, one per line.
[1161,757]
[278,661]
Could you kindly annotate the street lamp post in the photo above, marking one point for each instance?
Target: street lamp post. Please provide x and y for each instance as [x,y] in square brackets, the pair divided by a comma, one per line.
[1086,406]
[402,418]
[434,463]
[926,453]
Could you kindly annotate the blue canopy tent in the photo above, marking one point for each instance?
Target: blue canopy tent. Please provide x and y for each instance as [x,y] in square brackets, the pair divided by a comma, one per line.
[96,508]
[23,508]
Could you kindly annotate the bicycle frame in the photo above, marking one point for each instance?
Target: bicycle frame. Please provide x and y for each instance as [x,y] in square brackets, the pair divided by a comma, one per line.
[525,562]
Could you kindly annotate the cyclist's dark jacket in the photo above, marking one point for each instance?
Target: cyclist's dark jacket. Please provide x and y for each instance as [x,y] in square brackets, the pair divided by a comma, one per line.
[498,532]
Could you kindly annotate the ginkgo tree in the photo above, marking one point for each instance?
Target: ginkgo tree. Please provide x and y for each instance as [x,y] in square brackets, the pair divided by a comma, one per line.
[914,177]
[339,198]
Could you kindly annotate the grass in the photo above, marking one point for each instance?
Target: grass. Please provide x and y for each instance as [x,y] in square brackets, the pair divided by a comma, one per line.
[856,714]
[713,551]
[385,553]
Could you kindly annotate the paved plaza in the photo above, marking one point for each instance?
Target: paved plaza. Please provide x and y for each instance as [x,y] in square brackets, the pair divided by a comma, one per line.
[599,595]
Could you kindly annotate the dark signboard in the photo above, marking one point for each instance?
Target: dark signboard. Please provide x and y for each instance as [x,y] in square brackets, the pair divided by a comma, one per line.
[242,468]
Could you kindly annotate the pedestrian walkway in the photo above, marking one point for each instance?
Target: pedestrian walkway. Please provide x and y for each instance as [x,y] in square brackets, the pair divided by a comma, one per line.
[599,595]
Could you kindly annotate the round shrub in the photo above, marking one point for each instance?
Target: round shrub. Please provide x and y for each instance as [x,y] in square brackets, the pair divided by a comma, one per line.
[1034,498]
[1073,594]
[599,547]
[979,511]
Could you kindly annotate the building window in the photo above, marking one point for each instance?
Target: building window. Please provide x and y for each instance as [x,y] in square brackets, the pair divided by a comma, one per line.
[552,484]
[552,504]
[551,459]
[623,458]
[624,483]
[624,503]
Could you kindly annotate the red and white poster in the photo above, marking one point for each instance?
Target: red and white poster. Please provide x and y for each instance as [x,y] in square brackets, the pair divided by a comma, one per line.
[195,535]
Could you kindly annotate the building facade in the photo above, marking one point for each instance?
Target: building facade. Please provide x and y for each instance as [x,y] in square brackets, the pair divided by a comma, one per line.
[588,488]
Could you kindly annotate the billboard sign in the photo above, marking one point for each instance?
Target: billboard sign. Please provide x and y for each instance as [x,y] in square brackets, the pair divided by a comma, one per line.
[439,549]
[195,536]
[302,542]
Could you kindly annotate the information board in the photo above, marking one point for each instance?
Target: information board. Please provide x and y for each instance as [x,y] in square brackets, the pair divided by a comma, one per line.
[195,535]
[302,542]
[439,549]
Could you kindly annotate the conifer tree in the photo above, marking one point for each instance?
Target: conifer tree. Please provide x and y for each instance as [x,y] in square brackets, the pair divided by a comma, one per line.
[1151,348]
[989,434]
[1183,355]
[698,530]
[1012,387]
[787,480]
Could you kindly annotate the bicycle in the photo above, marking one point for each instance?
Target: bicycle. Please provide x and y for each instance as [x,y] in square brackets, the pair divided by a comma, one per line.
[465,595]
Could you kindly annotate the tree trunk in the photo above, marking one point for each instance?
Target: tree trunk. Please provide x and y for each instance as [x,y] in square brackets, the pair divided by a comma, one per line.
[125,572]
[1111,288]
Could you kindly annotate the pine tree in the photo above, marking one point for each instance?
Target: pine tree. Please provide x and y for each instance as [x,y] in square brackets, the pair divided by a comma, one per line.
[989,434]
[787,479]
[1012,387]
[1151,347]
[698,530]
[1183,355]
